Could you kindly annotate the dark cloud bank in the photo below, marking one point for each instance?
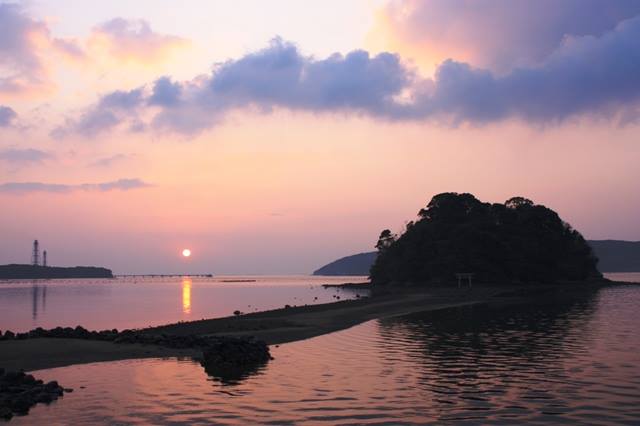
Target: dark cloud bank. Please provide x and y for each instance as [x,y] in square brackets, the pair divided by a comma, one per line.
[585,75]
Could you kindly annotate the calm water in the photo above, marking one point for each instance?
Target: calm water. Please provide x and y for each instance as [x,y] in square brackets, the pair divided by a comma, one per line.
[557,363]
[139,302]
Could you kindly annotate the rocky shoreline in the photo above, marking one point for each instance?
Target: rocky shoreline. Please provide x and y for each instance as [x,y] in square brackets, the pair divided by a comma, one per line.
[20,391]
[225,358]
[247,348]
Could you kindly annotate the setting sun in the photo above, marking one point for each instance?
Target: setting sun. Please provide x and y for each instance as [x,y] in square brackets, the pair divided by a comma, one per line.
[186,252]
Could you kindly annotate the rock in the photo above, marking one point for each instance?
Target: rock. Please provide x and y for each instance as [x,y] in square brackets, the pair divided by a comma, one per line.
[52,385]
[13,376]
[21,404]
[5,413]
[81,333]
[232,358]
[19,392]
[44,398]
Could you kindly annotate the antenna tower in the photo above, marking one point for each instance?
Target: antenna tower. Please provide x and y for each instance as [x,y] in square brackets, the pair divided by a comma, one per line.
[35,256]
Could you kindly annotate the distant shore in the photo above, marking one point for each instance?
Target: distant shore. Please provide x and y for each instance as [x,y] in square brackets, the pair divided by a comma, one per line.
[35,272]
[274,326]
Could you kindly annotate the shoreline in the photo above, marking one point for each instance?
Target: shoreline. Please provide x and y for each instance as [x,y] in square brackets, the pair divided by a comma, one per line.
[274,326]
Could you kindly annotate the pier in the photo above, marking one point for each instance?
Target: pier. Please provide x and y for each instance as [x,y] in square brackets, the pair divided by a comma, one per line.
[163,275]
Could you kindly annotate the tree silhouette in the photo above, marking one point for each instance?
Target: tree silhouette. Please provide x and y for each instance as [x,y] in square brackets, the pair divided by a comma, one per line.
[385,240]
[517,241]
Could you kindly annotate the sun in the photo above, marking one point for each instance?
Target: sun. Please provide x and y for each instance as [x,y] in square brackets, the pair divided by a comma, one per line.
[186,252]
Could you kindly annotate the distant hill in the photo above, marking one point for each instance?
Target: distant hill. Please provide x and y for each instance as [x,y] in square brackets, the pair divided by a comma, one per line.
[617,256]
[27,272]
[357,264]
[614,255]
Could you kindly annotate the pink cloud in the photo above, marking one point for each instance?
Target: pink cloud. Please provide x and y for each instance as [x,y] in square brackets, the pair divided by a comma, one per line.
[133,40]
[497,34]
[28,187]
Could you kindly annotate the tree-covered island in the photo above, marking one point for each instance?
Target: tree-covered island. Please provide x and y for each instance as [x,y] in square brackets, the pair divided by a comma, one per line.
[514,242]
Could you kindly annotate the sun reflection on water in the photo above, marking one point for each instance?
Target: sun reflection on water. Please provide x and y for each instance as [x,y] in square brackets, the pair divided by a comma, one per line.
[186,295]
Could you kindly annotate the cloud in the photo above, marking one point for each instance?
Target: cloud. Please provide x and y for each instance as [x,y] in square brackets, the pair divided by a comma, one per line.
[497,34]
[25,44]
[585,75]
[7,115]
[30,53]
[24,156]
[277,76]
[111,110]
[165,92]
[133,40]
[21,67]
[29,187]
[109,161]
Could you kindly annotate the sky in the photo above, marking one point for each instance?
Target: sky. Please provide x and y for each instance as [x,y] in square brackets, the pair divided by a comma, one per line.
[274,137]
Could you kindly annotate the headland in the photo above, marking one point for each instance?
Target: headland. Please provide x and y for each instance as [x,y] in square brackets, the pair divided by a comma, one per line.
[29,272]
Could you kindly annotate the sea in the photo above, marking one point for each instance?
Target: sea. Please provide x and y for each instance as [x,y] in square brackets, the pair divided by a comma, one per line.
[550,362]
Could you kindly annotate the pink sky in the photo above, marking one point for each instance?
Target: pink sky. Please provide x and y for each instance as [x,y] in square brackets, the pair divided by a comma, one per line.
[128,133]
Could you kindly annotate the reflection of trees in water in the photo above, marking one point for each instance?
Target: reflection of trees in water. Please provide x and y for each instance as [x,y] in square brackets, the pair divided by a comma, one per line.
[483,350]
[531,330]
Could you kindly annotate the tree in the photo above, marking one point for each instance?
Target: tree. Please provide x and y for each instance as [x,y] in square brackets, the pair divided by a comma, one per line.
[385,240]
[515,202]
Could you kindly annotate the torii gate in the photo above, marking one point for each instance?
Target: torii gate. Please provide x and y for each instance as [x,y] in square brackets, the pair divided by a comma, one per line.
[465,276]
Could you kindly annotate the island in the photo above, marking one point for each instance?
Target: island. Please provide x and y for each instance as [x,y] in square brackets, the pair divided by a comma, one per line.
[458,236]
[31,272]
[357,264]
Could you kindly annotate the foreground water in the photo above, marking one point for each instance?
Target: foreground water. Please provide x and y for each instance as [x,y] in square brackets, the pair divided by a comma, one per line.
[572,362]
[139,302]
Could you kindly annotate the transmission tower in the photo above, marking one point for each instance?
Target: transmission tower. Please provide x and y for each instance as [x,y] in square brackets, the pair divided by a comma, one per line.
[35,256]
[44,258]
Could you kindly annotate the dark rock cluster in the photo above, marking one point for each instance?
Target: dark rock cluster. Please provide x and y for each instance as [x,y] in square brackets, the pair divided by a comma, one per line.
[231,359]
[19,392]
[124,336]
[63,332]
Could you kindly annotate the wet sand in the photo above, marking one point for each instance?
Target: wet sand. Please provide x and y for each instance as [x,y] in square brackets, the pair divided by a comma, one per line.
[297,323]
[274,327]
[40,353]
